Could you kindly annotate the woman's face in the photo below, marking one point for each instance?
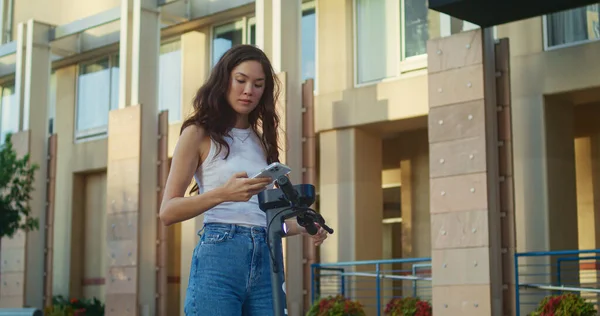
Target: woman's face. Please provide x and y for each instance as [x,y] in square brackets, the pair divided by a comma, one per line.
[246,87]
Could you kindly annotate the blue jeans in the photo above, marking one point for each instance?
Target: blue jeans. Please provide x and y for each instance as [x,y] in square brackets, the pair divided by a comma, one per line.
[230,273]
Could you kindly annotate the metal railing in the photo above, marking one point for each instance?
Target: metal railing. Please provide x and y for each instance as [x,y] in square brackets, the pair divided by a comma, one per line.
[373,283]
[543,273]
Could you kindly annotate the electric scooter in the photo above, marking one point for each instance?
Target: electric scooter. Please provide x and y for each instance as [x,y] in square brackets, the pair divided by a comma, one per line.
[281,204]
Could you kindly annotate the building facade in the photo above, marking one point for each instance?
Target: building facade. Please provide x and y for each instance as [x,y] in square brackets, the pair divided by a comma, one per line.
[96,75]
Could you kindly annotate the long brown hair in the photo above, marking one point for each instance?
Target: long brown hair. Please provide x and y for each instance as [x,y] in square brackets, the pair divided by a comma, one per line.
[214,114]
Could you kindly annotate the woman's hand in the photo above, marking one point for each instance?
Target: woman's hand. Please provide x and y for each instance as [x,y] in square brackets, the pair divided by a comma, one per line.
[240,188]
[319,237]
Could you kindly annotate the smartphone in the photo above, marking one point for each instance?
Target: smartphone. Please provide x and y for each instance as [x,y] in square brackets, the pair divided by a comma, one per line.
[274,171]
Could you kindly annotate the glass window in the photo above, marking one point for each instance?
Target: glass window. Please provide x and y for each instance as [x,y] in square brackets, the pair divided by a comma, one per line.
[573,26]
[252,31]
[392,35]
[415,25]
[97,94]
[308,43]
[372,40]
[9,111]
[225,37]
[169,80]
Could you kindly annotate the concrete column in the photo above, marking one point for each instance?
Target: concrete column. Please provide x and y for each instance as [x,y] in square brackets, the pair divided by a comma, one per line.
[194,72]
[66,82]
[463,148]
[264,26]
[278,34]
[34,102]
[561,178]
[416,236]
[132,161]
[351,199]
[587,160]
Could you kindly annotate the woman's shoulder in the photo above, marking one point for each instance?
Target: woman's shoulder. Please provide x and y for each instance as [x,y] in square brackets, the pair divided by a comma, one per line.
[193,133]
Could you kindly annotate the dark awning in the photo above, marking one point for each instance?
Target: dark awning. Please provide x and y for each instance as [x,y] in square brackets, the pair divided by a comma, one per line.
[486,13]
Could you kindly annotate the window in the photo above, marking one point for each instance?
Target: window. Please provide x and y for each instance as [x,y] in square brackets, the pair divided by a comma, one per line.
[235,33]
[309,39]
[169,80]
[573,26]
[97,94]
[9,111]
[243,31]
[392,35]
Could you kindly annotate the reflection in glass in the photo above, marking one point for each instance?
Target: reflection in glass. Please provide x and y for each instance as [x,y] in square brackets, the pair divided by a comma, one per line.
[573,26]
[308,43]
[225,37]
[169,80]
[416,31]
[97,94]
[9,114]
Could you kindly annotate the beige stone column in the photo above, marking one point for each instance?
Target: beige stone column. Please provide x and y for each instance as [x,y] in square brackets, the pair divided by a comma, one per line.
[33,79]
[195,61]
[132,166]
[561,178]
[278,34]
[465,203]
[351,199]
[587,159]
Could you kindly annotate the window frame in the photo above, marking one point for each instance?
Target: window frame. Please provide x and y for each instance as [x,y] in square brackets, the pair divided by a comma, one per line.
[164,42]
[545,33]
[404,66]
[97,132]
[9,81]
[244,20]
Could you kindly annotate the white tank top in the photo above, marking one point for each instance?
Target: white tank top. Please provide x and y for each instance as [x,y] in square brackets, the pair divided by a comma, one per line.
[246,153]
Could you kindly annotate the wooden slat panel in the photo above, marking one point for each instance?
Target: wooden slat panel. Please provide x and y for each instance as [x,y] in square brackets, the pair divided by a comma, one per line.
[456,86]
[459,193]
[459,230]
[463,300]
[122,252]
[457,51]
[461,266]
[12,260]
[121,280]
[121,305]
[456,121]
[463,156]
[12,301]
[122,226]
[18,241]
[12,284]
[122,210]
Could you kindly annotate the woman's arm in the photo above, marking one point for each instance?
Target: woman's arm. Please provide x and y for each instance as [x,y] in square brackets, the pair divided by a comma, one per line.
[175,207]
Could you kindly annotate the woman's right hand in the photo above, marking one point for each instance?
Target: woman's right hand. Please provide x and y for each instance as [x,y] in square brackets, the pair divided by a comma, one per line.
[240,188]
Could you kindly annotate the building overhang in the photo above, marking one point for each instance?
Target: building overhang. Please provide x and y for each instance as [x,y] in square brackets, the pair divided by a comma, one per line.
[486,13]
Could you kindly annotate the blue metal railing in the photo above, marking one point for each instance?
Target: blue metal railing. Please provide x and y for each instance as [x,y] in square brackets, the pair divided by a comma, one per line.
[542,273]
[373,283]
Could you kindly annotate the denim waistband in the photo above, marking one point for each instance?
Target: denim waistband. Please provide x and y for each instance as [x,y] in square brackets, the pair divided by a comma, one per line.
[234,229]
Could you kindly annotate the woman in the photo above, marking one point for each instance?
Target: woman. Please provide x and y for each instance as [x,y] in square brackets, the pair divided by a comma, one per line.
[231,134]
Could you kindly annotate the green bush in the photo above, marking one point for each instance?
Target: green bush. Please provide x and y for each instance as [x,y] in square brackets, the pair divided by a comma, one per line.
[336,306]
[16,185]
[564,305]
[408,306]
[75,307]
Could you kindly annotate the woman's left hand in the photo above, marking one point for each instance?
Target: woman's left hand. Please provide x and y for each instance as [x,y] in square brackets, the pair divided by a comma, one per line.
[319,237]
